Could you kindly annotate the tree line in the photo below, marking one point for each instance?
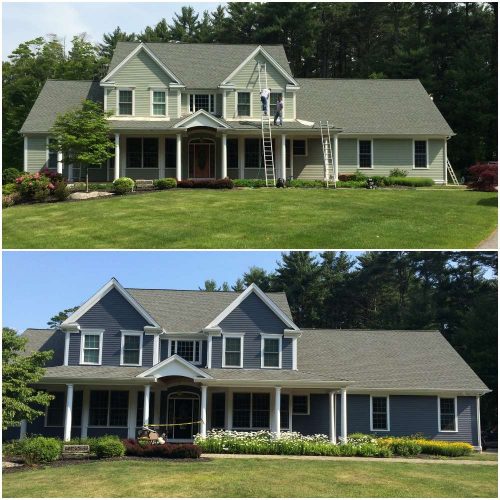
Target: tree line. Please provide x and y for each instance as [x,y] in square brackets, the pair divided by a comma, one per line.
[451,47]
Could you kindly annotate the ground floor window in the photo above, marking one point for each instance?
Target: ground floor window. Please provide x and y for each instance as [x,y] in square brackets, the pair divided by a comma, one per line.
[232,153]
[52,163]
[108,408]
[380,413]
[285,411]
[447,414]
[140,408]
[170,153]
[299,147]
[76,413]
[55,410]
[142,152]
[300,404]
[252,153]
[251,410]
[218,416]
[365,154]
[420,154]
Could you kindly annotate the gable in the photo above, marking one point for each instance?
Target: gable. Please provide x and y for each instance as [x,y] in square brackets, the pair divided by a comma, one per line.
[201,119]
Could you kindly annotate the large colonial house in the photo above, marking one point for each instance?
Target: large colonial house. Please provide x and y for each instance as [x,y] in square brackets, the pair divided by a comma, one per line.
[193,111]
[132,357]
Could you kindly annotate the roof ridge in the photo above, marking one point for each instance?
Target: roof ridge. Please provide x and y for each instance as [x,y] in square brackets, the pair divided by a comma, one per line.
[361,79]
[189,290]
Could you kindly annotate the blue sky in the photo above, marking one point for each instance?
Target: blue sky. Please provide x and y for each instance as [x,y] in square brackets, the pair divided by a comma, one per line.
[37,285]
[24,21]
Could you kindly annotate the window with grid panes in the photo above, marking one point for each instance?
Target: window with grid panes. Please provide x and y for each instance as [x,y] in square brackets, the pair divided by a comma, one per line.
[56,409]
[118,408]
[218,410]
[98,408]
[91,348]
[131,349]
[142,152]
[365,154]
[202,101]
[232,352]
[299,147]
[125,102]
[159,103]
[300,405]
[271,353]
[170,153]
[447,417]
[285,411]
[76,412]
[190,350]
[252,153]
[273,99]
[241,410]
[232,153]
[260,410]
[379,413]
[244,104]
[420,154]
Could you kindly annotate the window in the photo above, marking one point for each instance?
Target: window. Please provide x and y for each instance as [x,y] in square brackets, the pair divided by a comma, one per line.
[142,152]
[285,411]
[131,349]
[108,409]
[299,147]
[140,408]
[273,99]
[202,101]
[91,351]
[300,405]
[190,350]
[159,103]
[244,104]
[170,153]
[125,102]
[251,410]
[447,414]
[232,153]
[56,410]
[76,413]
[233,352]
[52,163]
[218,410]
[380,413]
[252,153]
[365,154]
[271,352]
[420,157]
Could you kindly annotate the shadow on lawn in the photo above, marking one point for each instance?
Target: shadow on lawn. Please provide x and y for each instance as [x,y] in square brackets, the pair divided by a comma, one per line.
[488,202]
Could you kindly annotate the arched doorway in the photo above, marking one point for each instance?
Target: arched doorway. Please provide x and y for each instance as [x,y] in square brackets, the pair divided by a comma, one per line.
[201,158]
[183,409]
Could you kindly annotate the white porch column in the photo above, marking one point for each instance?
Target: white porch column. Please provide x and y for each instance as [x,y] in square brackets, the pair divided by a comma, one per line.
[332,428]
[478,417]
[343,415]
[178,161]
[147,391]
[22,429]
[283,157]
[117,157]
[68,415]
[224,103]
[241,157]
[336,157]
[203,411]
[277,411]
[66,348]
[85,413]
[132,413]
[445,161]
[59,162]
[25,158]
[224,157]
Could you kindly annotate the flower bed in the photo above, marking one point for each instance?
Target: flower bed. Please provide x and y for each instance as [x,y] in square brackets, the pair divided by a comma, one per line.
[136,449]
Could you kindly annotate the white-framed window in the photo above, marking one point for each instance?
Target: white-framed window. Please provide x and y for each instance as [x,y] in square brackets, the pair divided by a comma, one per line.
[300,147]
[91,347]
[447,414]
[300,404]
[125,103]
[131,348]
[108,408]
[158,102]
[251,410]
[379,413]
[244,104]
[365,153]
[190,350]
[270,351]
[202,101]
[420,154]
[232,351]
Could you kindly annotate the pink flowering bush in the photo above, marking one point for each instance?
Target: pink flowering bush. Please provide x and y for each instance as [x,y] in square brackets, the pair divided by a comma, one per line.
[38,186]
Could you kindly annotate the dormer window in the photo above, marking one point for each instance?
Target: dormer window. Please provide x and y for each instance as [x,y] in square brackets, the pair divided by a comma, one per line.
[202,101]
[91,347]
[131,352]
[190,350]
[271,351]
[125,102]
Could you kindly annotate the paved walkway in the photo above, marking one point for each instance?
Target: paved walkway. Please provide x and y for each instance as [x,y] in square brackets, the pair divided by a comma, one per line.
[355,459]
[491,242]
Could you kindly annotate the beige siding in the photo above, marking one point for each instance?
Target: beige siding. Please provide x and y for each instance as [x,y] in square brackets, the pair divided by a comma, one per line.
[436,160]
[37,153]
[310,166]
[172,103]
[184,104]
[392,153]
[348,159]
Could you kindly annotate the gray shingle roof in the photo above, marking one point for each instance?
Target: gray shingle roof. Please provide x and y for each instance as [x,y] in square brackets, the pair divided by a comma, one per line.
[191,310]
[57,97]
[371,106]
[200,65]
[93,372]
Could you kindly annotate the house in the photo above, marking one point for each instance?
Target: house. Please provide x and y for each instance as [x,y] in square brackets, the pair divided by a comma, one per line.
[204,360]
[193,111]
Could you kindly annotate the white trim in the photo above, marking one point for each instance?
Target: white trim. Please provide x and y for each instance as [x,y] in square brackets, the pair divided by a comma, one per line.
[191,117]
[308,396]
[112,283]
[179,104]
[90,331]
[68,416]
[241,157]
[66,348]
[224,103]
[131,333]
[156,349]
[105,105]
[371,155]
[126,89]
[343,415]
[178,157]
[332,424]
[277,411]
[240,336]
[237,93]
[23,427]
[426,154]
[439,413]
[194,361]
[209,351]
[152,90]
[224,156]
[478,418]
[274,336]
[445,162]
[150,372]
[47,153]
[203,411]
[132,413]
[85,412]
[145,409]
[255,289]
[388,413]
[25,153]
[211,99]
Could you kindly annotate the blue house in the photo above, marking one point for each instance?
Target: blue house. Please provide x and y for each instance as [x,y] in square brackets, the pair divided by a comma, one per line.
[131,357]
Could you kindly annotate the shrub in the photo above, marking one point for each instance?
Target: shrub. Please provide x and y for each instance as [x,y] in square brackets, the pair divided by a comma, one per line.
[409,181]
[251,183]
[34,187]
[484,176]
[166,183]
[351,184]
[303,183]
[40,449]
[61,191]
[404,447]
[207,183]
[360,438]
[134,448]
[8,200]
[9,175]
[108,446]
[398,172]
[9,188]
[444,448]
[225,183]
[123,185]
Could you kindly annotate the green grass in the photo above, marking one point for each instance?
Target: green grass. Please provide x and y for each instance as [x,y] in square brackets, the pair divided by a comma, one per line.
[261,218]
[253,478]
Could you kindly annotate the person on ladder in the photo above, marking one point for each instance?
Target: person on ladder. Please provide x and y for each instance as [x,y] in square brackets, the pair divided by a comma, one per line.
[278,115]
[264,98]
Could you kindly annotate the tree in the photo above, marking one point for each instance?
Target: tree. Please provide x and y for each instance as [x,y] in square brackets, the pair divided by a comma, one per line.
[55,321]
[185,26]
[110,40]
[82,62]
[83,136]
[260,277]
[20,400]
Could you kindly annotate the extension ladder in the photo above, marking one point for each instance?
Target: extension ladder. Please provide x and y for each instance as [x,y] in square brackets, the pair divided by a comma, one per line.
[267,140]
[451,172]
[327,151]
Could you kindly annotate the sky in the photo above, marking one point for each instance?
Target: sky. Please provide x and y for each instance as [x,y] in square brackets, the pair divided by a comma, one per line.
[23,21]
[38,284]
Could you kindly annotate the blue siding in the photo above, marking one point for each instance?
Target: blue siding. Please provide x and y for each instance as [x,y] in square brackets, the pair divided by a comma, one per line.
[317,422]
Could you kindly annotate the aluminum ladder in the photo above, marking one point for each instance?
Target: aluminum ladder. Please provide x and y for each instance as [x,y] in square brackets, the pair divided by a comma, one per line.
[326,143]
[451,172]
[267,140]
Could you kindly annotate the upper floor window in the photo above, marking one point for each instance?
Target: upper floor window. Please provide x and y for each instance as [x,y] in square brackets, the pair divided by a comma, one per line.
[91,348]
[420,154]
[202,101]
[379,413]
[159,103]
[125,102]
[244,101]
[447,414]
[365,154]
[271,351]
[300,404]
[273,99]
[232,351]
[190,350]
[131,353]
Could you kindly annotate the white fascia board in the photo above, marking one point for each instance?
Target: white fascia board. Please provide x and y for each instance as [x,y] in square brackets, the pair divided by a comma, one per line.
[148,51]
[70,327]
[153,330]
[215,331]
[112,283]
[197,372]
[201,112]
[291,333]
[310,384]
[253,288]
[418,392]
[176,85]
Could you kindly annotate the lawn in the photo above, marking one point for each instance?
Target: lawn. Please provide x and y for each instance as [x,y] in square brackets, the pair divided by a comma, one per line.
[223,477]
[260,218]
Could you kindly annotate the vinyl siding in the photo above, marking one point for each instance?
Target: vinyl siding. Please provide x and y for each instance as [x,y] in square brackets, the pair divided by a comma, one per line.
[37,153]
[317,422]
[311,166]
[348,151]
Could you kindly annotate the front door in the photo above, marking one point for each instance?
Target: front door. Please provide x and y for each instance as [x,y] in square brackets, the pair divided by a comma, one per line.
[202,161]
[183,412]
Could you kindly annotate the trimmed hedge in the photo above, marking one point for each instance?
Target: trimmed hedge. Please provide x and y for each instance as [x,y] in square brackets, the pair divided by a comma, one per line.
[108,446]
[250,183]
[445,448]
[123,185]
[302,183]
[135,449]
[166,183]
[404,447]
[207,183]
